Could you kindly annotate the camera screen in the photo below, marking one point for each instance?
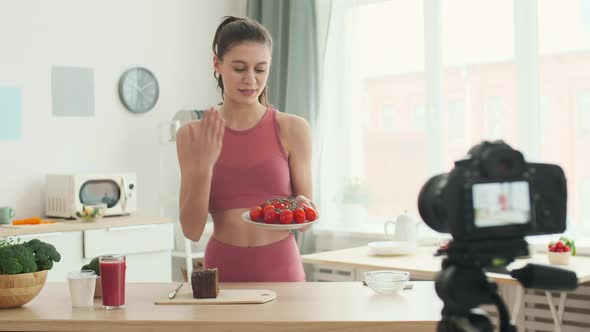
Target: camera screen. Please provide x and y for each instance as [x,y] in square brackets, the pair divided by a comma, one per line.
[501,203]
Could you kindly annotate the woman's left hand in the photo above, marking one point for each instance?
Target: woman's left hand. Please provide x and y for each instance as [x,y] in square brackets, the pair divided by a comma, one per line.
[302,199]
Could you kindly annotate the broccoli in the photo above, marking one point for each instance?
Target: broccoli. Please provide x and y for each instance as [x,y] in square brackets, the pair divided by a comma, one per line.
[93,265]
[45,254]
[17,258]
[28,257]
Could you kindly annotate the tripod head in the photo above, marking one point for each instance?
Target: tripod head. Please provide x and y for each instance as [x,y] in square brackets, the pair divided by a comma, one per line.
[463,286]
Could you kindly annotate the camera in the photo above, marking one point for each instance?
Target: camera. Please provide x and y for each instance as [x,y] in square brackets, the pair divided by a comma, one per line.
[489,202]
[495,194]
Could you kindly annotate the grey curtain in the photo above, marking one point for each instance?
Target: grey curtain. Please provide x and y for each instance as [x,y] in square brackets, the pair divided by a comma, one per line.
[294,79]
[293,84]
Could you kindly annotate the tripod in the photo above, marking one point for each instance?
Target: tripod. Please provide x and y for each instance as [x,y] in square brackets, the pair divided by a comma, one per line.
[463,286]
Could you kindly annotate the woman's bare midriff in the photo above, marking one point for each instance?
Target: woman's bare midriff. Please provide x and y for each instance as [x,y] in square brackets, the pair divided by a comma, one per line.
[229,228]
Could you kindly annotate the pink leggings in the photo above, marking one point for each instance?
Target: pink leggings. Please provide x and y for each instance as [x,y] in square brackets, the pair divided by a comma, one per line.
[276,262]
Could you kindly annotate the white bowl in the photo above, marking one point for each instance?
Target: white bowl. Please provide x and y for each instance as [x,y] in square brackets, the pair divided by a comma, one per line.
[387,281]
[559,258]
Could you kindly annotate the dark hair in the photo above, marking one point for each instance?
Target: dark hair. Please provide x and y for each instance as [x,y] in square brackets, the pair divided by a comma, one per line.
[234,30]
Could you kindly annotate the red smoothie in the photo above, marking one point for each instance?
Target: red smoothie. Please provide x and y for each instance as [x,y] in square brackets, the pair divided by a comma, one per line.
[112,278]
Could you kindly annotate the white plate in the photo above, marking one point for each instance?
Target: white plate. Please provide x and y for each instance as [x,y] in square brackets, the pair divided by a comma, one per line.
[246,217]
[390,248]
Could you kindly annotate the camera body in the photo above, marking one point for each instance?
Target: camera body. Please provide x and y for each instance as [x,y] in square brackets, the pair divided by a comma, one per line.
[495,194]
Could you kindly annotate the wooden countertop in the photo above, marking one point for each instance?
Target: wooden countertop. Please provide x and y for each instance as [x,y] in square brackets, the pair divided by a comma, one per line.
[423,265]
[325,306]
[75,225]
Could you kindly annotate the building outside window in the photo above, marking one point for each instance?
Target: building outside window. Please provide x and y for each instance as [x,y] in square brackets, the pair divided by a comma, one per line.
[387,118]
[456,120]
[494,108]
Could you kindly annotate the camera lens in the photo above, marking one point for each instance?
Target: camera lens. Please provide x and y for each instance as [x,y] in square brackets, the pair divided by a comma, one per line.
[430,203]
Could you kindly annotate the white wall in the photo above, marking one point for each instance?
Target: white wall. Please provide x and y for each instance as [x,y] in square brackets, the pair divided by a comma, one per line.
[170,37]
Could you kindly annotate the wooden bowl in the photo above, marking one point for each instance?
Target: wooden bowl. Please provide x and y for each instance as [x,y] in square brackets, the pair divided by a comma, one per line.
[18,289]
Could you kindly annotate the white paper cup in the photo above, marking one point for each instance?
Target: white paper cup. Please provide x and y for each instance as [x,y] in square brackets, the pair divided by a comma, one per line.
[81,285]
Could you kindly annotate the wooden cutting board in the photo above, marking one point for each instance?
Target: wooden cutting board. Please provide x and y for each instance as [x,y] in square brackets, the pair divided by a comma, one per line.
[225,296]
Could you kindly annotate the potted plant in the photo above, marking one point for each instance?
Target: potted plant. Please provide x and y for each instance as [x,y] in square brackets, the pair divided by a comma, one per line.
[94,266]
[23,270]
[355,200]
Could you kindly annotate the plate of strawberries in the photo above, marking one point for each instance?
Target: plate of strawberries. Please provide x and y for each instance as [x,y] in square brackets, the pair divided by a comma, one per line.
[281,213]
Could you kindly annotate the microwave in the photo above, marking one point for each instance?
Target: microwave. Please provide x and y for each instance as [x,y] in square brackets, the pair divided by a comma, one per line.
[67,193]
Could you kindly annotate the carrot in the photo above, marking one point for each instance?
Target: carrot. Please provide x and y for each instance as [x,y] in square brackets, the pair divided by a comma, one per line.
[27,221]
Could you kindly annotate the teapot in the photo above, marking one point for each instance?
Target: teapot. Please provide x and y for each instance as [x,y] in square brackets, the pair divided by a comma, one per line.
[406,228]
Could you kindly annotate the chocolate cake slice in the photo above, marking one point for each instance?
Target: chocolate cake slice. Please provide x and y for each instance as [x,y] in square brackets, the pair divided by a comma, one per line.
[205,283]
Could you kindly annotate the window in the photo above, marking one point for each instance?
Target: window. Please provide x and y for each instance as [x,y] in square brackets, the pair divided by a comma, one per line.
[585,198]
[387,64]
[474,36]
[438,77]
[564,76]
[494,118]
[477,55]
[545,118]
[420,117]
[456,117]
[387,115]
[583,112]
[584,208]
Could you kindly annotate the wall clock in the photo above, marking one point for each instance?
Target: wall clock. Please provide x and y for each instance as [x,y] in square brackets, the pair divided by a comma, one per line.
[139,90]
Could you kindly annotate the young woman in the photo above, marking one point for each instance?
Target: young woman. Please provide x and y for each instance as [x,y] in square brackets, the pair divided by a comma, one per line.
[240,155]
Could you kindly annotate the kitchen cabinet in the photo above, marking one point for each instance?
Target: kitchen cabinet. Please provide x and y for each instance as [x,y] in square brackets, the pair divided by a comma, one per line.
[147,242]
[148,249]
[328,241]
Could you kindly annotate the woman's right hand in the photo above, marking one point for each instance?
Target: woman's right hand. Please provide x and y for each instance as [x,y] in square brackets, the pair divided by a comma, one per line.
[198,144]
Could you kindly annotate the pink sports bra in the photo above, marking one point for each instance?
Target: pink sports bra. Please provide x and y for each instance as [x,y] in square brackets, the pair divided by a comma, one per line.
[251,168]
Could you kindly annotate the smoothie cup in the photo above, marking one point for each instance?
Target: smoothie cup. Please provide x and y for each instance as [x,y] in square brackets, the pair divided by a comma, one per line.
[112,277]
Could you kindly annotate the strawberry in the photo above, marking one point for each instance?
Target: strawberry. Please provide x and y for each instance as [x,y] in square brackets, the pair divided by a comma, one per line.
[563,245]
[559,246]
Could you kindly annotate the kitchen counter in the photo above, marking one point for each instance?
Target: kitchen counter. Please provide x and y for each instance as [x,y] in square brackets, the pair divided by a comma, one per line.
[423,265]
[337,306]
[74,225]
